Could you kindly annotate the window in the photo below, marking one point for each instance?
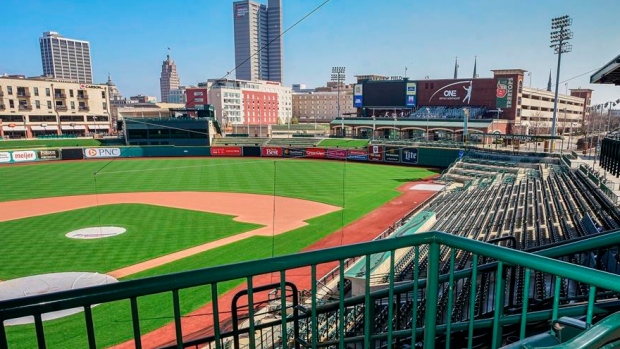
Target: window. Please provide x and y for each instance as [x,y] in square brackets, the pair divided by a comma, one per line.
[104,105]
[70,93]
[198,100]
[36,91]
[37,104]
[72,105]
[198,93]
[9,90]
[11,103]
[49,104]
[47,92]
[103,96]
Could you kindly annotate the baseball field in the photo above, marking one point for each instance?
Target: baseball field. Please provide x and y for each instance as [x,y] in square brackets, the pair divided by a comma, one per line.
[179,214]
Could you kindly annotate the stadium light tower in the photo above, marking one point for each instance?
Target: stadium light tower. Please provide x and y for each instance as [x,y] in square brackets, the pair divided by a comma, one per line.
[560,35]
[338,78]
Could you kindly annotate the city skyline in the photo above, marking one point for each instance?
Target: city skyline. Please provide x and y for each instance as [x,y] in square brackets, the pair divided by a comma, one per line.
[385,39]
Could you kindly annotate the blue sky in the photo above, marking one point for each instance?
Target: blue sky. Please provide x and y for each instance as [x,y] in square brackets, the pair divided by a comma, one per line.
[129,39]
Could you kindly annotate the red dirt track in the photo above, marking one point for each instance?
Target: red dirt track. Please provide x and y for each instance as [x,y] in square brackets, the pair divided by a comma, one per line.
[199,323]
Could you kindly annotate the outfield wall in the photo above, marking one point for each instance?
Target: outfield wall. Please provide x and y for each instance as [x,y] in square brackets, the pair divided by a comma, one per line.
[413,156]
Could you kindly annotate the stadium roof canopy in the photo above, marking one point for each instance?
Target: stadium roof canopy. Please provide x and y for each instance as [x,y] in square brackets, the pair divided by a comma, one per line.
[608,74]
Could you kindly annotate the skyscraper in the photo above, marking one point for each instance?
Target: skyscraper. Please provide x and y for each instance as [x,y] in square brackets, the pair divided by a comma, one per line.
[258,41]
[65,58]
[169,79]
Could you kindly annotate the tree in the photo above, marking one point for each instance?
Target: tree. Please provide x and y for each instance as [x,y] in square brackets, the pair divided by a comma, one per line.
[294,120]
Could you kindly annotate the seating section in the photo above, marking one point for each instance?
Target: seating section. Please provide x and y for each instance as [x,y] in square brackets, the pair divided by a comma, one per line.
[239,141]
[441,112]
[294,142]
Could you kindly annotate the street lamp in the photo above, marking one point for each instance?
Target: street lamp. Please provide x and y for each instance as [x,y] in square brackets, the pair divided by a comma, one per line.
[338,77]
[559,42]
[428,115]
[529,74]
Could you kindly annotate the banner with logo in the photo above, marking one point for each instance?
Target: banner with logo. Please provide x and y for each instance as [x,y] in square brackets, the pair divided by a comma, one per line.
[317,153]
[392,154]
[102,152]
[409,155]
[336,153]
[24,155]
[355,154]
[49,154]
[226,151]
[411,94]
[294,153]
[358,100]
[5,156]
[503,93]
[271,151]
[375,153]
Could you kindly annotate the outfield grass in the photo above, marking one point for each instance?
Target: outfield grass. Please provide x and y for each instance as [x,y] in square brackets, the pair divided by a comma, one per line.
[359,188]
[344,143]
[38,245]
[49,143]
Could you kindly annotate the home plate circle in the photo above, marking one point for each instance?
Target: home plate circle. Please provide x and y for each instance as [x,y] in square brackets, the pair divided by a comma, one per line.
[49,283]
[95,232]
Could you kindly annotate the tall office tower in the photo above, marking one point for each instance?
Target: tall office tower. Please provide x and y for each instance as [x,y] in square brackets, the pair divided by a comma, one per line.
[258,41]
[65,58]
[169,79]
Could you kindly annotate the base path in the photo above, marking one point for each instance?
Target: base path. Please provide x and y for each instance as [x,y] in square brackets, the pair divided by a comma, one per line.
[277,214]
[199,323]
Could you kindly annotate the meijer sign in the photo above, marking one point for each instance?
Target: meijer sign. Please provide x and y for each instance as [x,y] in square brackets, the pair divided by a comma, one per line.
[102,152]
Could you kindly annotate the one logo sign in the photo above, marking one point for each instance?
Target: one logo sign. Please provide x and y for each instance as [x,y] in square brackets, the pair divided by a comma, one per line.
[26,155]
[102,152]
[409,155]
[455,93]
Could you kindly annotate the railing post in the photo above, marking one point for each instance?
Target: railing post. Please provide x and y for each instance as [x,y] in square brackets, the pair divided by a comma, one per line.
[432,279]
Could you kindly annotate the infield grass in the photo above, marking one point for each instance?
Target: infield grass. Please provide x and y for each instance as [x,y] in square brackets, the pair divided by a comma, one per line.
[359,188]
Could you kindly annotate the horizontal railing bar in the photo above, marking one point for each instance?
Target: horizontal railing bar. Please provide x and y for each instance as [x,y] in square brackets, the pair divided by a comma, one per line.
[157,284]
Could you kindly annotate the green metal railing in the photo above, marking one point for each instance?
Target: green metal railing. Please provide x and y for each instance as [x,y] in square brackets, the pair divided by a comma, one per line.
[429,247]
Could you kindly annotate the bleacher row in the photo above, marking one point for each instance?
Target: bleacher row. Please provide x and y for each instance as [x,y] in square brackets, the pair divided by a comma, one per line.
[299,142]
[442,112]
[527,208]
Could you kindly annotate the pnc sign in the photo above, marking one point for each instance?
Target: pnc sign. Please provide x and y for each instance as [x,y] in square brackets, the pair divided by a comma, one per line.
[102,152]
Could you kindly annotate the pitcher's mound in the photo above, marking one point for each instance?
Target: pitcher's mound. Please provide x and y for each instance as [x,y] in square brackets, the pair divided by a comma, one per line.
[48,283]
[95,232]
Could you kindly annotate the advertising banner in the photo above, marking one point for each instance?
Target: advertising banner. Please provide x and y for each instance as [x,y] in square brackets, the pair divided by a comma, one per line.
[411,94]
[102,152]
[271,151]
[226,151]
[355,154]
[392,154]
[357,96]
[24,155]
[336,153]
[503,93]
[295,153]
[375,153]
[317,153]
[409,155]
[49,154]
[5,156]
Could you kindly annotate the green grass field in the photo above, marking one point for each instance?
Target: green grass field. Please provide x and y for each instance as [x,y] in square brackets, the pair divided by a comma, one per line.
[359,188]
[344,143]
[49,143]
